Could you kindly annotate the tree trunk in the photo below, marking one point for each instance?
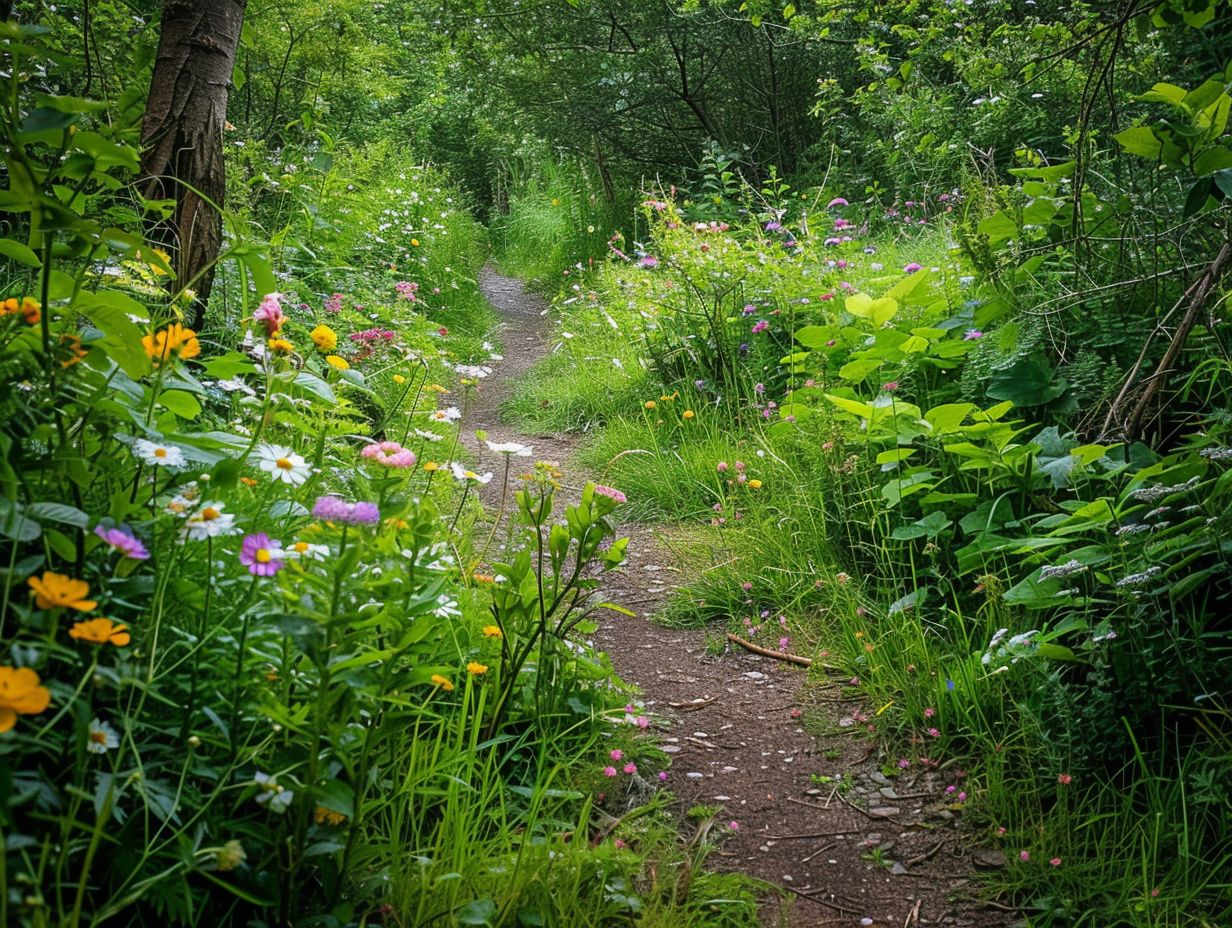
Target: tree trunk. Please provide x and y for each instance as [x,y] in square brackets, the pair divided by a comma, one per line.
[181,135]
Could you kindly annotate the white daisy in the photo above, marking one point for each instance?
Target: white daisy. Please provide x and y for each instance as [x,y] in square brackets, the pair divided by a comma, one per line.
[510,447]
[462,475]
[209,522]
[149,452]
[307,551]
[429,436]
[283,464]
[448,414]
[102,737]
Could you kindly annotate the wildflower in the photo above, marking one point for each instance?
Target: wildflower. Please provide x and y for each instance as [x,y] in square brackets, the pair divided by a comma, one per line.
[209,522]
[1055,862]
[1024,856]
[493,631]
[75,351]
[333,509]
[449,414]
[611,493]
[609,771]
[102,737]
[462,475]
[157,455]
[760,326]
[903,763]
[616,754]
[173,341]
[911,267]
[1062,570]
[229,856]
[733,825]
[283,464]
[270,314]
[120,540]
[280,346]
[754,484]
[20,694]
[389,454]
[962,797]
[304,549]
[26,306]
[443,682]
[837,201]
[1065,779]
[648,261]
[262,555]
[929,712]
[721,467]
[687,415]
[334,303]
[56,591]
[324,816]
[337,362]
[399,379]
[662,776]
[511,448]
[476,669]
[933,733]
[630,768]
[972,335]
[650,404]
[272,793]
[407,289]
[100,631]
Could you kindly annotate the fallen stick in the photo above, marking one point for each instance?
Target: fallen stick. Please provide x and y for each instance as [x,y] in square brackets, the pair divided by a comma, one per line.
[692,706]
[816,834]
[913,917]
[819,852]
[766,652]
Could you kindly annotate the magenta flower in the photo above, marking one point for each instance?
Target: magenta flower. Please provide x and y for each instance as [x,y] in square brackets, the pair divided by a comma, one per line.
[270,313]
[973,335]
[929,712]
[648,261]
[1055,862]
[733,825]
[933,733]
[333,509]
[261,554]
[611,493]
[903,763]
[128,546]
[407,289]
[334,303]
[912,267]
[662,776]
[616,754]
[1024,856]
[630,768]
[609,771]
[837,201]
[760,326]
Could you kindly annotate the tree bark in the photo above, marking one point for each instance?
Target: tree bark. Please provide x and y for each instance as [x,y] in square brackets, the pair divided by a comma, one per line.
[182,134]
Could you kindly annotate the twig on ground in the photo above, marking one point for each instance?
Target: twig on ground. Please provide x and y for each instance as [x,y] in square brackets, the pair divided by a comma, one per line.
[692,706]
[919,859]
[815,834]
[819,852]
[913,917]
[767,652]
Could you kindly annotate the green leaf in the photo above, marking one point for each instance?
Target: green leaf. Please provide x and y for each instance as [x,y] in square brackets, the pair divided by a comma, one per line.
[19,253]
[231,364]
[180,402]
[948,417]
[110,312]
[1140,141]
[857,371]
[863,410]
[58,512]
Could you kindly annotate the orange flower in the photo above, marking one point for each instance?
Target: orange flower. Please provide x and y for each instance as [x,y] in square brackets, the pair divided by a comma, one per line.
[323,816]
[280,346]
[442,682]
[76,352]
[20,694]
[476,669]
[56,591]
[493,631]
[101,631]
[173,341]
[30,309]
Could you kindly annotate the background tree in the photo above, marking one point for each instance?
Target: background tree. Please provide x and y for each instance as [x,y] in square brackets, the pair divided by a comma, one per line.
[181,136]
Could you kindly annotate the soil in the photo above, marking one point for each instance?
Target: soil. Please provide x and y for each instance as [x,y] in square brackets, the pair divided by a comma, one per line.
[755,736]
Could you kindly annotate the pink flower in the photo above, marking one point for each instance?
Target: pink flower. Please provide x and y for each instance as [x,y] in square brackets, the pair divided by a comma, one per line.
[609,771]
[733,825]
[662,776]
[617,754]
[721,467]
[837,201]
[911,267]
[611,493]
[933,733]
[630,768]
[760,326]
[746,586]
[972,335]
[903,763]
[642,722]
[1001,830]
[407,290]
[929,712]
[129,546]
[1056,861]
[1065,779]
[270,313]
[334,303]
[261,555]
[949,790]
[1024,856]
[890,386]
[962,797]
[389,454]
[784,642]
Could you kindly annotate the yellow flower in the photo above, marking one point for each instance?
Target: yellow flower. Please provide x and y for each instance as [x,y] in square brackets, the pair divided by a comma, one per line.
[324,816]
[56,591]
[687,414]
[443,682]
[754,484]
[476,669]
[174,340]
[324,338]
[20,694]
[280,346]
[101,631]
[338,362]
[650,404]
[398,378]
[414,243]
[430,466]
[493,631]
[435,388]
[556,201]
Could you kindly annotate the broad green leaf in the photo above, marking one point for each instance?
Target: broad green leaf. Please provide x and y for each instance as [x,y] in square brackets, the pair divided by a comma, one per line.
[180,402]
[857,371]
[19,253]
[814,336]
[948,417]
[1140,141]
[110,312]
[863,410]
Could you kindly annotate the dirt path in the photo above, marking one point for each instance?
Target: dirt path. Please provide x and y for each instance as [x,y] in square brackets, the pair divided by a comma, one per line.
[875,851]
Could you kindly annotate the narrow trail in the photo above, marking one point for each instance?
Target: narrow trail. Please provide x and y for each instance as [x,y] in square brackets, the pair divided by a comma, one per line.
[875,851]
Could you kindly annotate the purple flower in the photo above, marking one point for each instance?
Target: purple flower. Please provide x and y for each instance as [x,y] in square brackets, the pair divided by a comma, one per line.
[261,555]
[748,310]
[648,261]
[743,349]
[333,509]
[760,326]
[912,267]
[833,240]
[759,388]
[122,541]
[837,201]
[973,335]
